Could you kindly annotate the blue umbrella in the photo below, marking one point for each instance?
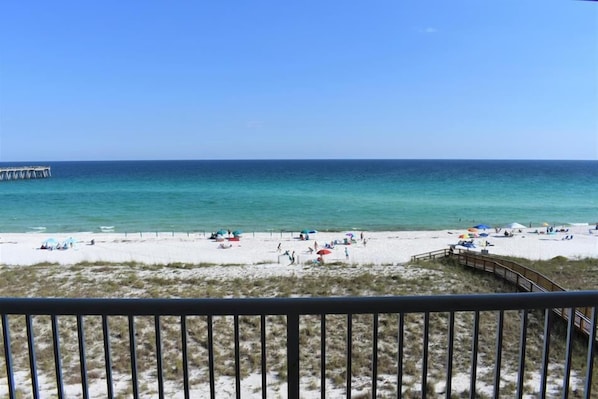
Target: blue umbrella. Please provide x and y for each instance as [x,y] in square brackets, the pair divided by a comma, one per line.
[482,226]
[50,241]
[69,242]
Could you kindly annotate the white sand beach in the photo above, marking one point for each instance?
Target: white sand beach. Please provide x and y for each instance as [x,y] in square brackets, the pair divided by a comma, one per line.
[391,247]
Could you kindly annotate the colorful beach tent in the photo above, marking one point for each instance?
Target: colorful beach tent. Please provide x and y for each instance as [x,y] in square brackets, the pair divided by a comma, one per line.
[482,226]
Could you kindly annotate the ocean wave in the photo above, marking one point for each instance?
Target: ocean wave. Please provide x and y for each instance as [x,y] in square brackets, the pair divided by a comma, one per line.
[106,229]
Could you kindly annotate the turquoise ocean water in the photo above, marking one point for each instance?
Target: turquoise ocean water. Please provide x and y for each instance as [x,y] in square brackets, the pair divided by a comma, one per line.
[290,195]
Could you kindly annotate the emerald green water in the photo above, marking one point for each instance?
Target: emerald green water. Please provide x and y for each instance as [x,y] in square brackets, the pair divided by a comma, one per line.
[132,196]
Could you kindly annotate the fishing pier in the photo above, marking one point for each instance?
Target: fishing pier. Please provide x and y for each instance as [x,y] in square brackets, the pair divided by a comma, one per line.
[24,172]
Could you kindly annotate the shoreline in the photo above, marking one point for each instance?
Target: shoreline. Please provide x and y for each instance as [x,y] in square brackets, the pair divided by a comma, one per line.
[380,247]
[584,226]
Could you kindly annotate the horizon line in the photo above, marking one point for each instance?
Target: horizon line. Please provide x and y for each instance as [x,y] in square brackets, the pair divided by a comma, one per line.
[300,159]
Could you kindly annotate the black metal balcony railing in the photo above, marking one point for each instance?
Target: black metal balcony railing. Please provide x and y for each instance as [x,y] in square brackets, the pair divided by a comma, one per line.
[34,339]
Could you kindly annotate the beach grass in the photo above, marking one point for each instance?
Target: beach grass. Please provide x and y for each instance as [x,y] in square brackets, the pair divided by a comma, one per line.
[186,281]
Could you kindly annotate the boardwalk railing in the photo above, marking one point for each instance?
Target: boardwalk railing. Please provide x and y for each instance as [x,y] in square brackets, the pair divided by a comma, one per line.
[525,279]
[522,277]
[393,346]
[441,253]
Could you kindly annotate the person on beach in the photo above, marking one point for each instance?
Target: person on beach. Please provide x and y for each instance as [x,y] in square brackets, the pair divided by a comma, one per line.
[315,245]
[346,253]
[278,249]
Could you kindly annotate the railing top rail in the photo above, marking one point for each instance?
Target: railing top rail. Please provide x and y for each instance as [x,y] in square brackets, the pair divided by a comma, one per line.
[11,168]
[283,306]
[428,254]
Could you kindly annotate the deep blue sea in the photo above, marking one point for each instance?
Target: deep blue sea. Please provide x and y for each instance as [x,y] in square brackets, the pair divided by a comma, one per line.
[291,195]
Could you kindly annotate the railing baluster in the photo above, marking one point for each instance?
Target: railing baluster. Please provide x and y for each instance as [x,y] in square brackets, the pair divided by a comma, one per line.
[32,360]
[349,353]
[107,357]
[545,351]
[185,356]
[57,359]
[569,352]
[237,358]
[8,357]
[133,351]
[211,357]
[591,352]
[474,355]
[498,352]
[82,360]
[522,348]
[400,343]
[293,355]
[263,342]
[375,356]
[159,367]
[425,354]
[449,355]
[323,356]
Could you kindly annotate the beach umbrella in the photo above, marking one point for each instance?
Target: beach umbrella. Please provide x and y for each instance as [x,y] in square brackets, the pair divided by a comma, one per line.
[464,236]
[237,233]
[50,242]
[514,225]
[324,252]
[305,231]
[482,226]
[472,229]
[349,234]
[222,232]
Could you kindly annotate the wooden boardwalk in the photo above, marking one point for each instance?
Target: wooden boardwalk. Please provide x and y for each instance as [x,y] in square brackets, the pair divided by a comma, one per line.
[522,277]
[25,172]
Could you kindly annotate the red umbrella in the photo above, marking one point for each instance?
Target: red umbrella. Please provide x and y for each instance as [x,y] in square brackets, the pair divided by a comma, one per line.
[324,252]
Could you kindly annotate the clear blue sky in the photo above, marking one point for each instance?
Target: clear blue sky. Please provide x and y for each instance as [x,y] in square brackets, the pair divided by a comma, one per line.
[110,80]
